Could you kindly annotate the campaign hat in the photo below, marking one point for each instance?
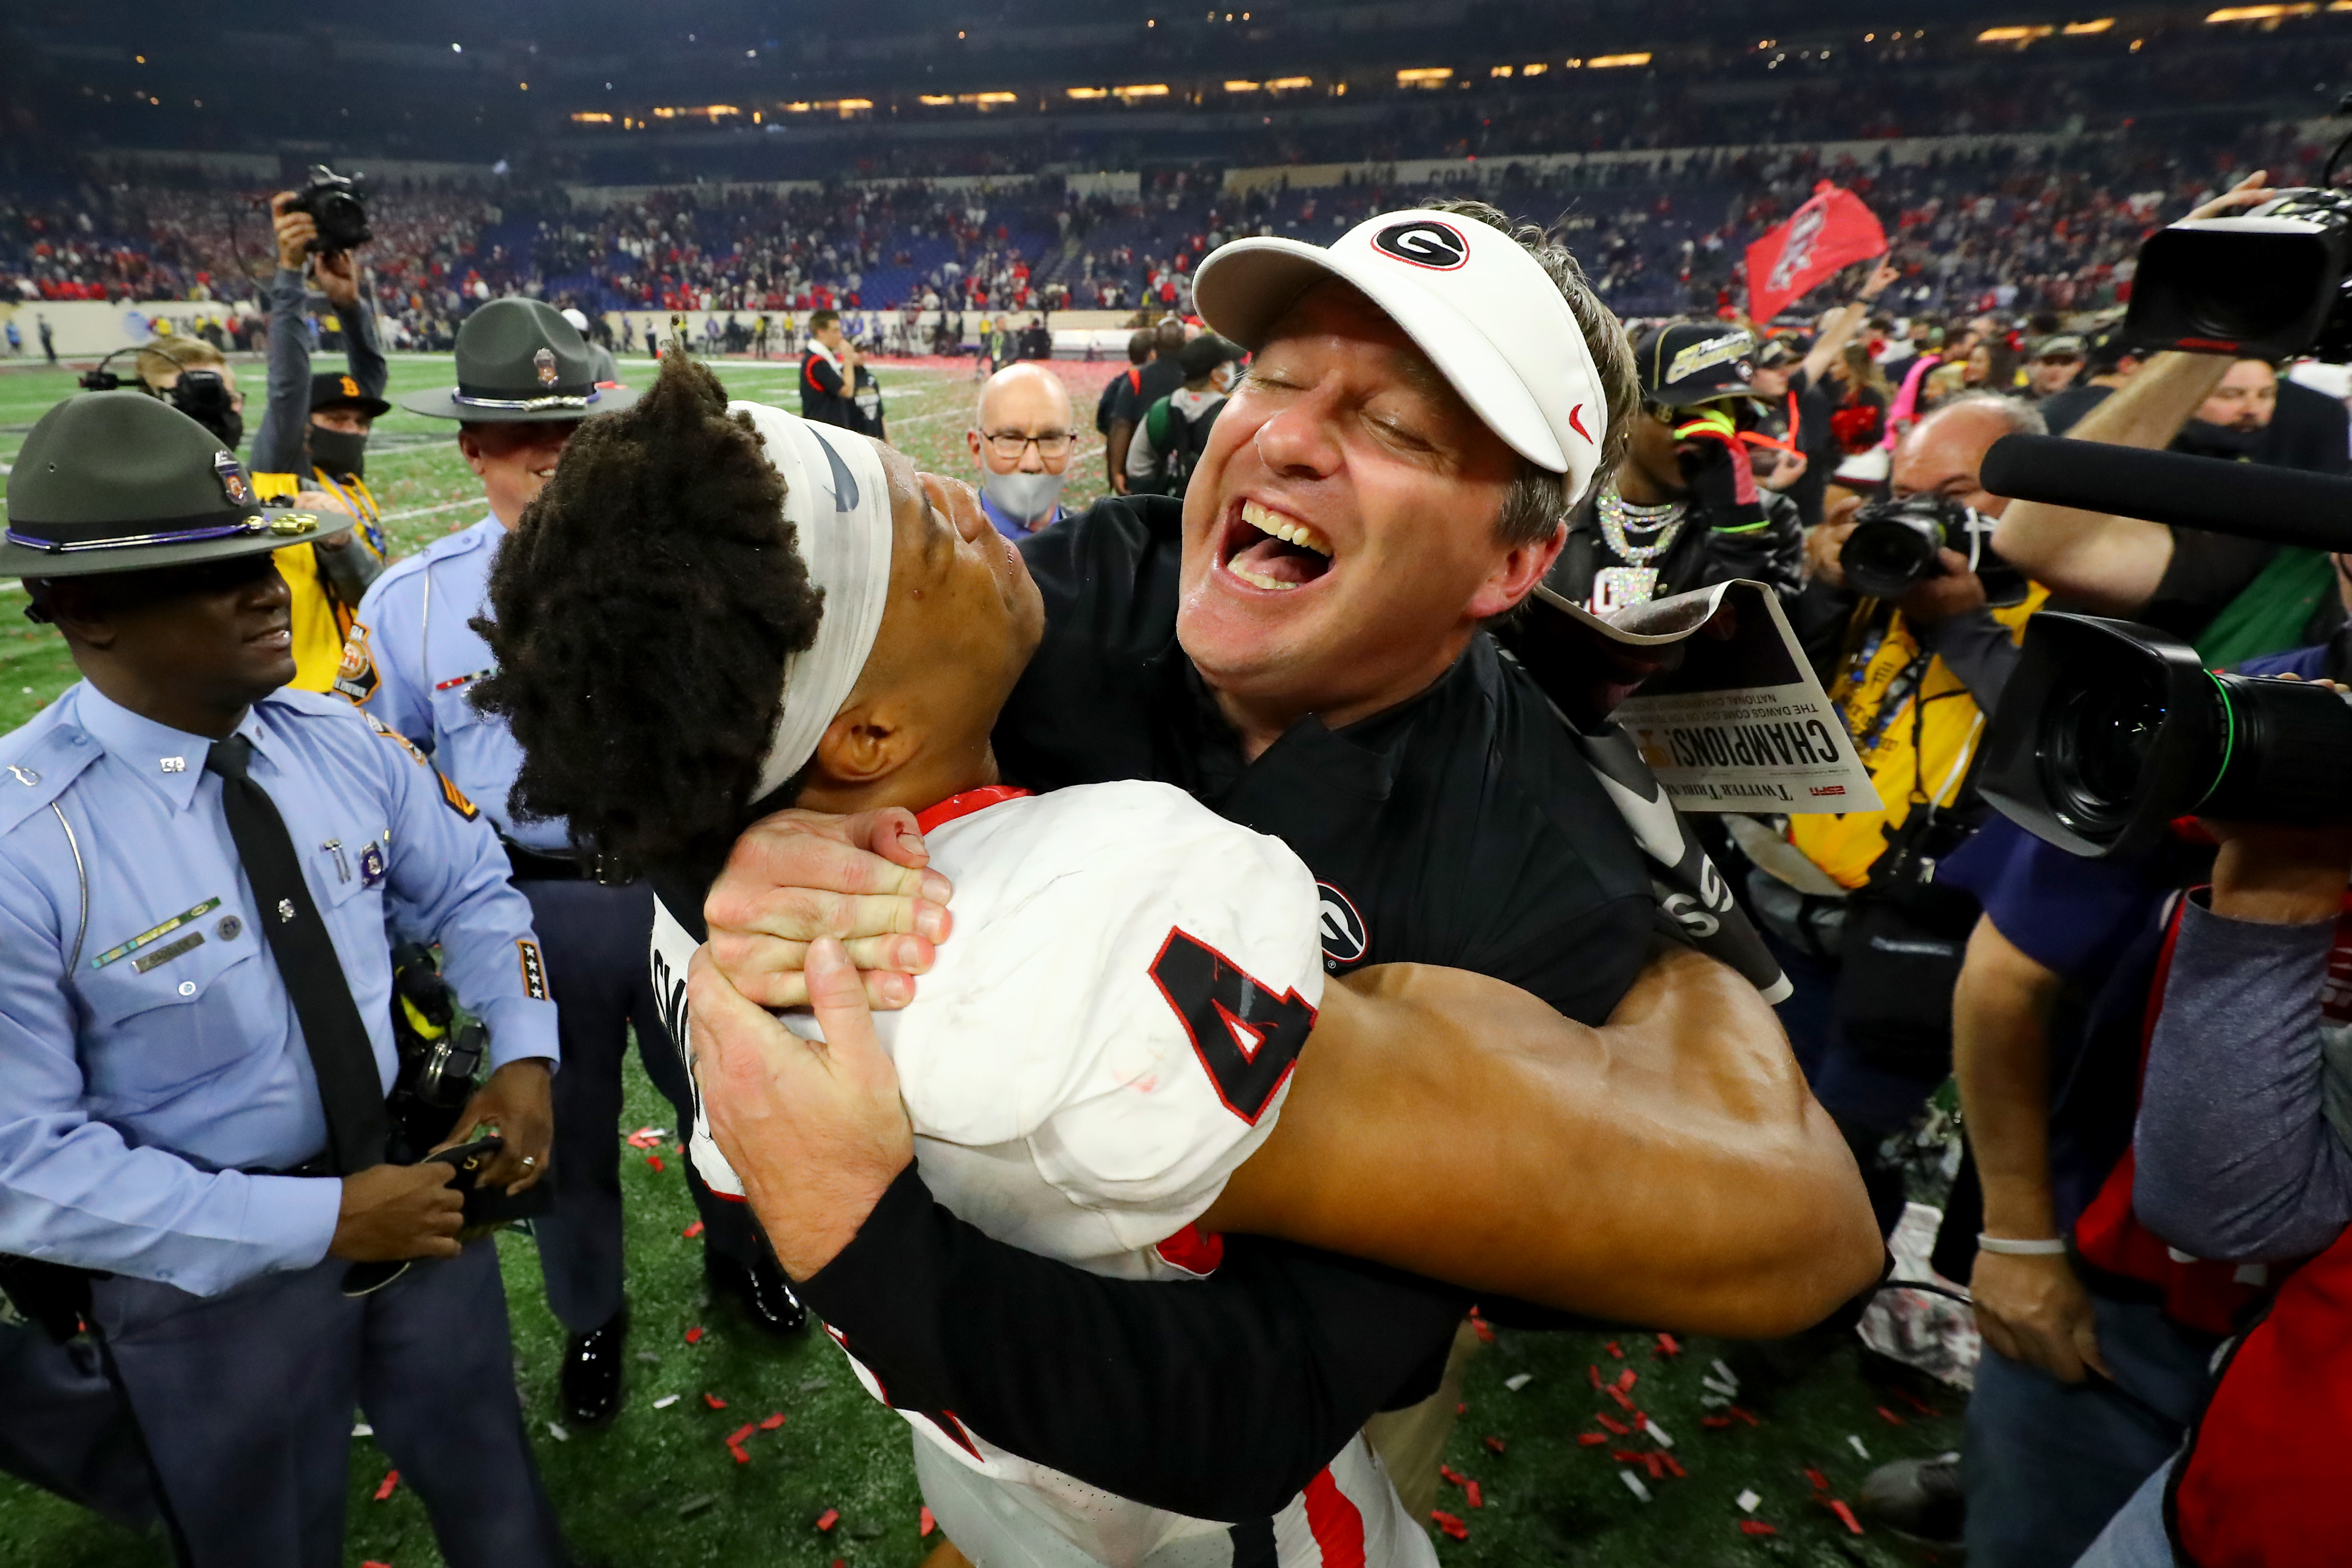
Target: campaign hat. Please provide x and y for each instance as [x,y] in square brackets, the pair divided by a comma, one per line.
[121,482]
[1687,362]
[1469,295]
[519,361]
[341,389]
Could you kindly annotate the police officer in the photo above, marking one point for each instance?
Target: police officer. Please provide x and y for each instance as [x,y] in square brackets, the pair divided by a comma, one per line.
[198,867]
[524,384]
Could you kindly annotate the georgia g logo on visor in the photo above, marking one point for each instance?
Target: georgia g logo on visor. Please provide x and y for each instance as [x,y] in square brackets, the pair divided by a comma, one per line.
[1436,245]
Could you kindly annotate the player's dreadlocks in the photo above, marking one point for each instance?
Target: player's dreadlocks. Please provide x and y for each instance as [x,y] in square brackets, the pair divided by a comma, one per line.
[642,613]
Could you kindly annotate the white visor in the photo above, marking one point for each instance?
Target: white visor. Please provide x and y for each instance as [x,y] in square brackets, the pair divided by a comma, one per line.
[837,499]
[1481,307]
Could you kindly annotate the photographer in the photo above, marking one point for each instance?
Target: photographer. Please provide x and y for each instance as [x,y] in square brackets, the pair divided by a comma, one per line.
[311,445]
[1684,509]
[1870,938]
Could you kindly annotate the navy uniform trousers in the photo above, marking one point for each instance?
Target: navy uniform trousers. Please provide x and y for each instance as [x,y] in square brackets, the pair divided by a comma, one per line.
[246,1401]
[596,939]
[64,1426]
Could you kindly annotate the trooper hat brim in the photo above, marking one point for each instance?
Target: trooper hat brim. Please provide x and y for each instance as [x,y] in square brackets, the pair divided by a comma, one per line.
[443,403]
[24,560]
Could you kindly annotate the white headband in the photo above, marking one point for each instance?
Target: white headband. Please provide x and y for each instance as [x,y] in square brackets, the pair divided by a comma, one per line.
[838,501]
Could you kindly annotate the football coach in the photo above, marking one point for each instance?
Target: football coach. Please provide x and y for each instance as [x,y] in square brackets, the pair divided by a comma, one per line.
[1301,643]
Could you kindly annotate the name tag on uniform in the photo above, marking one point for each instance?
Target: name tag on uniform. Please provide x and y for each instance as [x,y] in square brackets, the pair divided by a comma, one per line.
[168,951]
[146,938]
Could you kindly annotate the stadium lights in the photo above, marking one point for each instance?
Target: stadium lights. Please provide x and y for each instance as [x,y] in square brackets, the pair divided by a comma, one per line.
[1536,70]
[1573,65]
[1498,70]
[2096,24]
[591,117]
[1605,62]
[2019,35]
[456,48]
[937,100]
[1424,76]
[141,59]
[1240,86]
[986,100]
[1072,92]
[2260,13]
[1139,90]
[1290,83]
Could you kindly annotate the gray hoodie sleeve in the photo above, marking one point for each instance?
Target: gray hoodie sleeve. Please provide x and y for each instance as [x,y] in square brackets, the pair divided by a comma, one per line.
[2239,1157]
[278,443]
[361,348]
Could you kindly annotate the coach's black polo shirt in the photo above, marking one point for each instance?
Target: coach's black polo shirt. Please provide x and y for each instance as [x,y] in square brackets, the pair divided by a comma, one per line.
[1462,828]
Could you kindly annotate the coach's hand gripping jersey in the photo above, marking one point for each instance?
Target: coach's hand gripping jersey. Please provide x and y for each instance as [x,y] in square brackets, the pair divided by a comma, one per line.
[1110,1033]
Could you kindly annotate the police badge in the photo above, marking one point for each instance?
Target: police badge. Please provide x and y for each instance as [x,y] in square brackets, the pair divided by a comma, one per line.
[544,361]
[233,482]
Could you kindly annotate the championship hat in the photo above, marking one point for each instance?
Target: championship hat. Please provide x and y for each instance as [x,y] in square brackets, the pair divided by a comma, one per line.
[1684,362]
[1469,296]
[519,360]
[120,481]
[340,389]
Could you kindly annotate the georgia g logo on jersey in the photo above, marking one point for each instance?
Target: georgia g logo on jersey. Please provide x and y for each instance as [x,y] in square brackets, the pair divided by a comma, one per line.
[1345,940]
[1424,243]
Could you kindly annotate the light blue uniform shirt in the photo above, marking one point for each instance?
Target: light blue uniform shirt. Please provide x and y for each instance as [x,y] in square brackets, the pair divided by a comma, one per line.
[412,661]
[148,1048]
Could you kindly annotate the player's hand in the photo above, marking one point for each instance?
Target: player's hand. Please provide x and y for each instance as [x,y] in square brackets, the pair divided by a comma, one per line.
[518,1102]
[392,1212]
[295,232]
[800,875]
[2034,1309]
[816,1130]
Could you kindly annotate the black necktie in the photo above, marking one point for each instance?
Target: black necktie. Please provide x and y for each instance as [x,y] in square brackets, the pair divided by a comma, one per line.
[340,1053]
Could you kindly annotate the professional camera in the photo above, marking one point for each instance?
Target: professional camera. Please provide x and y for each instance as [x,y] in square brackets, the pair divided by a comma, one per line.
[338,205]
[440,1058]
[2108,732]
[1894,543]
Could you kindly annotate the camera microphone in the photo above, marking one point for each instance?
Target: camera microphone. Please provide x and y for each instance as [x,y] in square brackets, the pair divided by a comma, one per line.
[2248,500]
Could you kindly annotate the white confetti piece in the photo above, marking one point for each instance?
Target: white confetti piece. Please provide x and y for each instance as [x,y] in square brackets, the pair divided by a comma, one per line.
[1713,1402]
[1658,1431]
[558,1433]
[1747,1501]
[1725,1389]
[362,1429]
[1518,1380]
[1634,1484]
[1855,1443]
[666,1401]
[1724,1373]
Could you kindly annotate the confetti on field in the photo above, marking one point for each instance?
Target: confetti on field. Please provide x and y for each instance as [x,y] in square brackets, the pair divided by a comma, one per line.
[1617,1426]
[1614,1351]
[1890,1417]
[1844,1513]
[770,1422]
[1738,1413]
[713,1401]
[1449,1523]
[742,1455]
[1916,1402]
[694,1336]
[666,1401]
[1472,1494]
[556,1431]
[391,1480]
[1462,1408]
[1518,1380]
[1594,1373]
[1668,1345]
[690,1232]
[1756,1527]
[362,1429]
[695,1505]
[1715,1423]
[827,1519]
[1592,1439]
[1748,1499]
[1649,1424]
[1634,1484]
[1821,1483]
[1448,1473]
[740,1434]
[1483,1329]
[1855,1444]
[1672,1468]
[925,1523]
[1627,1378]
[1617,1393]
[1494,1445]
[648,1137]
[655,1161]
[1725,1373]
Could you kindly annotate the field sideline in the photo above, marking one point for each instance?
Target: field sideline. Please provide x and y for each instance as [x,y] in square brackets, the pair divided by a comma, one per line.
[659,1488]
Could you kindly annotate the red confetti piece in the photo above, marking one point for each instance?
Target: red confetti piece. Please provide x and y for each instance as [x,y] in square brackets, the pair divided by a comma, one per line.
[690,1232]
[1625,1456]
[1669,1344]
[741,1458]
[1756,1527]
[694,1336]
[655,1161]
[372,1562]
[1617,1393]
[926,1521]
[1472,1494]
[1447,1472]
[1743,1415]
[1614,1351]
[1483,1329]
[1626,1379]
[1715,1423]
[1449,1523]
[770,1422]
[713,1401]
[741,1434]
[1592,1439]
[1891,1417]
[1838,1508]
[1494,1445]
[827,1519]
[1594,1373]
[1916,1402]
[391,1480]
[1678,1472]
[1462,1409]
[1617,1426]
[1821,1482]
[1657,1471]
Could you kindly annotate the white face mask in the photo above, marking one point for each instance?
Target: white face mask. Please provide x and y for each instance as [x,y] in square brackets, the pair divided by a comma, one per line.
[1027,497]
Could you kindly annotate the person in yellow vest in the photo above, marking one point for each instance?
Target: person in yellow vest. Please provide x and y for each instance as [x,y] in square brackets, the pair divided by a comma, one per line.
[311,445]
[1850,903]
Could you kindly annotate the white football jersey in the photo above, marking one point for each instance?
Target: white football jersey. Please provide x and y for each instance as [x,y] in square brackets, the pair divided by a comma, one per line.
[1110,1031]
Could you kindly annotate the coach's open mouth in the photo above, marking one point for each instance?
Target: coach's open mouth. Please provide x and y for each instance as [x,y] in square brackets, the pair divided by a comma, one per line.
[1266,549]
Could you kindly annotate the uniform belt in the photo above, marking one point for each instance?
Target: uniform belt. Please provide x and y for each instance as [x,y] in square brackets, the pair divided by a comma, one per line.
[533,866]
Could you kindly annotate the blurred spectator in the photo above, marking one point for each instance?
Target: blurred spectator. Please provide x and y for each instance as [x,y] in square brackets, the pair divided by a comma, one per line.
[2057,361]
[1159,378]
[1170,437]
[1022,433]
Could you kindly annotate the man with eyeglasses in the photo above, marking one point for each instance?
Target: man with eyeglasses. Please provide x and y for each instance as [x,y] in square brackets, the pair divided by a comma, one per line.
[1021,433]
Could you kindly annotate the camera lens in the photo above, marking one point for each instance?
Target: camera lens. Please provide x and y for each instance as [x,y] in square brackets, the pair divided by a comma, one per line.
[1884,557]
[2095,746]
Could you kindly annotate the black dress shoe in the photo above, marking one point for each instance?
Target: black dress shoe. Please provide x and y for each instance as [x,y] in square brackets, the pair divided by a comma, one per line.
[590,1384]
[760,1290]
[1923,1499]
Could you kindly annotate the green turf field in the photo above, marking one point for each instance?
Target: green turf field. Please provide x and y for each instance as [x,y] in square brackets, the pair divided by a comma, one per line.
[660,1486]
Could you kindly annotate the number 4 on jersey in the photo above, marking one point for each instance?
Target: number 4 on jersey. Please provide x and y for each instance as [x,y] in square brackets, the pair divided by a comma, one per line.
[1248,1038]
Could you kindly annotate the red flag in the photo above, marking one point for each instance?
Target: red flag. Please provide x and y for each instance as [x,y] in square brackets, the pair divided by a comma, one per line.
[1831,230]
